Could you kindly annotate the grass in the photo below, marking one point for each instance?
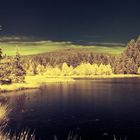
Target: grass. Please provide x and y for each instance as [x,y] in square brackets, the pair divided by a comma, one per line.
[32,82]
[24,135]
[4,111]
[31,48]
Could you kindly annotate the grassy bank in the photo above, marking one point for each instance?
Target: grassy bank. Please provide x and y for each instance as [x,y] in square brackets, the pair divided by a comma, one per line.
[75,77]
[32,82]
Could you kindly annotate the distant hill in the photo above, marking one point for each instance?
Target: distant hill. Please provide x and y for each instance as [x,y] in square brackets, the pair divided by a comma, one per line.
[10,46]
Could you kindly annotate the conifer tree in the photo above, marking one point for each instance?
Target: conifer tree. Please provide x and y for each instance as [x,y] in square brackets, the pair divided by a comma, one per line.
[129,62]
[0,53]
[17,71]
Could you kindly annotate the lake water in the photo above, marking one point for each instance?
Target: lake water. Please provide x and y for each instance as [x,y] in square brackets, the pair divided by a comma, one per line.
[93,109]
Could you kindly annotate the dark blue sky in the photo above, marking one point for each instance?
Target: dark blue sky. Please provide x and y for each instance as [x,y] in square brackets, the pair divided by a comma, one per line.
[69,20]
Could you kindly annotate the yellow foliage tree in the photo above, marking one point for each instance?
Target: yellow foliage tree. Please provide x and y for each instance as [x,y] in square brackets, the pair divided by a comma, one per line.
[40,69]
[66,70]
[84,69]
[138,72]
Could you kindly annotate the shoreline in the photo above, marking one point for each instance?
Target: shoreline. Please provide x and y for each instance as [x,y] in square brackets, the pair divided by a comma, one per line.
[107,76]
[34,82]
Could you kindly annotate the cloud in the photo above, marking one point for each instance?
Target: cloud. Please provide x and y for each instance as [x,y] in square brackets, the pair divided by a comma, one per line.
[92,36]
[84,42]
[0,27]
[14,38]
[107,43]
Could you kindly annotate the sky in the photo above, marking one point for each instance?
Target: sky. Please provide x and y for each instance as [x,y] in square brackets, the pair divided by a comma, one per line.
[104,21]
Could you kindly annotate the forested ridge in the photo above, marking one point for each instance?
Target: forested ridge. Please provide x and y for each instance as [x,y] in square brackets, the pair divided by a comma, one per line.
[70,62]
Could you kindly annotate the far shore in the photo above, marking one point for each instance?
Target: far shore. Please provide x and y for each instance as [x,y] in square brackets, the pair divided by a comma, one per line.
[34,82]
[107,76]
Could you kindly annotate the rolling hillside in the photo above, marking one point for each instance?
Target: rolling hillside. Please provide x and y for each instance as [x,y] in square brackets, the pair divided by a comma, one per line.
[30,48]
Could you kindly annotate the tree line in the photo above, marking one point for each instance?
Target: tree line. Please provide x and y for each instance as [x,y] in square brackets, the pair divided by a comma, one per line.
[84,69]
[126,63]
[74,61]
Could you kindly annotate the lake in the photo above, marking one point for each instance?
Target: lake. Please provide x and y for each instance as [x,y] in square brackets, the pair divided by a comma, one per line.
[92,109]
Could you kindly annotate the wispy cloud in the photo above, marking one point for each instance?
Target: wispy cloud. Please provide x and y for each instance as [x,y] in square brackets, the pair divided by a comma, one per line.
[107,43]
[0,27]
[14,38]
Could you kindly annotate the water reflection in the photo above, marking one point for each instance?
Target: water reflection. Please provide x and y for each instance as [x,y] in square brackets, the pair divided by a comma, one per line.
[3,100]
[91,107]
